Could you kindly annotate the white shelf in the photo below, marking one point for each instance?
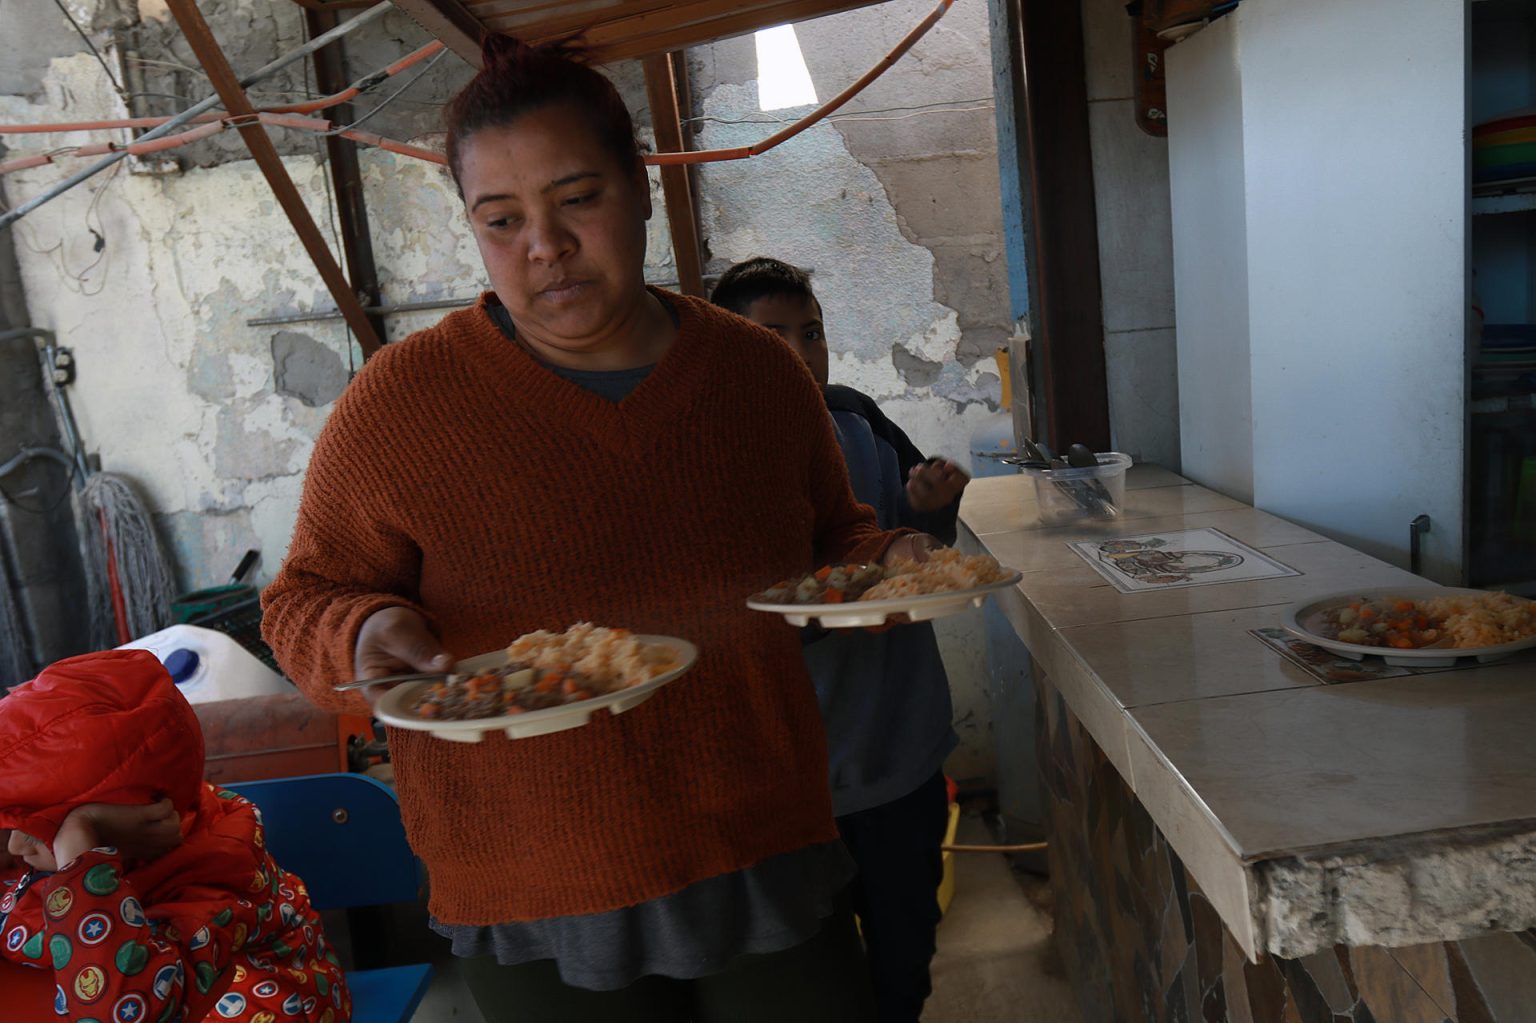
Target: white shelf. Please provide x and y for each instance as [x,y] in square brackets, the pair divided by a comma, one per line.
[1504,197]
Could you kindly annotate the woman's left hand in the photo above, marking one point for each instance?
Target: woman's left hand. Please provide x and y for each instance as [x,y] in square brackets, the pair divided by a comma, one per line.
[909,547]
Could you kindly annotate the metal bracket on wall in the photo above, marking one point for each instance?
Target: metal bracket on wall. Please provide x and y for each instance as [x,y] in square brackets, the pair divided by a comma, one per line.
[1416,529]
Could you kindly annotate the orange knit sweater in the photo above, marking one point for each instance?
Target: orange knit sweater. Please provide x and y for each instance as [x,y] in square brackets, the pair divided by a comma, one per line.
[458,476]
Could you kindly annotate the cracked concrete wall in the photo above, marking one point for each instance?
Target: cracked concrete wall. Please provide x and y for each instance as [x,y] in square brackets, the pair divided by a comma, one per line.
[214,418]
[893,204]
[897,214]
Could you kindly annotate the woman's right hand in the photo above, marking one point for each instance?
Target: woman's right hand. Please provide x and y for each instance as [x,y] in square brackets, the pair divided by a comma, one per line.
[393,641]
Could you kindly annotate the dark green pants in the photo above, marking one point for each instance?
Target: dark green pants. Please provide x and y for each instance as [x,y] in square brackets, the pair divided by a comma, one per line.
[822,980]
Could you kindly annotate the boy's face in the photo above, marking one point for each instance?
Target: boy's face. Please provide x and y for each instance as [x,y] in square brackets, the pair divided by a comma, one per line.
[796,319]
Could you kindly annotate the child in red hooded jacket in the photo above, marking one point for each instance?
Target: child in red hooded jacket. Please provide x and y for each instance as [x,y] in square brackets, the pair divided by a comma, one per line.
[147,892]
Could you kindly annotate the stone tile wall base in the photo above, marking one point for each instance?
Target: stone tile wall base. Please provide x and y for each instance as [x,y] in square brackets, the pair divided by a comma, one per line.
[1143,945]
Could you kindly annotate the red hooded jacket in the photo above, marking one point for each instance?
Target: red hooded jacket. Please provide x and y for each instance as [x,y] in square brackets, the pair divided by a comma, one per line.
[212,930]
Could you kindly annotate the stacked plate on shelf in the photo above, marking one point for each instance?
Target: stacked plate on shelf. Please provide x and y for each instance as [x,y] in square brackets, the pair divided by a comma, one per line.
[1504,148]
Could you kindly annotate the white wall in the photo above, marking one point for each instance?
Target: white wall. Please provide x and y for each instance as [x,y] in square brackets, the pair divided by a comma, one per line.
[1136,270]
[1210,247]
[1354,193]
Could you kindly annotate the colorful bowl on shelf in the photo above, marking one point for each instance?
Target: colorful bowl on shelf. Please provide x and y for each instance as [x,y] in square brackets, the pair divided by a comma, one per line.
[1504,148]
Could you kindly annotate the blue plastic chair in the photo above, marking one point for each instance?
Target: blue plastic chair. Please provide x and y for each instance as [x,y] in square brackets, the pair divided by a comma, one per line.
[341,833]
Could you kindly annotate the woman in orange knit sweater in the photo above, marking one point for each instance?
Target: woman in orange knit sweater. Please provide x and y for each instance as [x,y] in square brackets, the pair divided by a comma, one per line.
[578,446]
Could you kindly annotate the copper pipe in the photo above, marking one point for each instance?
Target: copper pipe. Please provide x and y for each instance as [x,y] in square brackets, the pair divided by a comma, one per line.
[405,149]
[759,148]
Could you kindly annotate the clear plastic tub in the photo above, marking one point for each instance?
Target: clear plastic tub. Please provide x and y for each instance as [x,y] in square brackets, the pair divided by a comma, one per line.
[1088,494]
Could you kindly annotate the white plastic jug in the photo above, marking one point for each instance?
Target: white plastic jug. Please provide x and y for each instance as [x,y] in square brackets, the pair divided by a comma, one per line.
[208,665]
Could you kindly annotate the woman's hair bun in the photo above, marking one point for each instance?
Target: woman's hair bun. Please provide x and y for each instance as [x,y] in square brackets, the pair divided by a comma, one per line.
[505,54]
[516,78]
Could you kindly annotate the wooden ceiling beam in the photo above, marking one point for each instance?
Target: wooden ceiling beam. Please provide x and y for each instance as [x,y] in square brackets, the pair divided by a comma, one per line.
[619,40]
[640,16]
[458,29]
[676,187]
[611,29]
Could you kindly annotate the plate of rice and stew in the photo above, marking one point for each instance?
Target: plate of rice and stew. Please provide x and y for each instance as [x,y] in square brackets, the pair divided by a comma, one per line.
[1416,627]
[859,596]
[544,682]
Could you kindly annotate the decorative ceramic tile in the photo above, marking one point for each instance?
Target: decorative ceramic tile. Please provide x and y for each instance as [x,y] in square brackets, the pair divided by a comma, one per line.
[1177,558]
[1471,1006]
[1389,990]
[1426,965]
[1504,967]
[1329,668]
[1078,595]
[1323,968]
[1043,550]
[1324,665]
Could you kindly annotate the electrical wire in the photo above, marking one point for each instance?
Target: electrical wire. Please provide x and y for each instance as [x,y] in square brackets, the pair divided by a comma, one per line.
[46,509]
[942,107]
[116,85]
[55,253]
[387,100]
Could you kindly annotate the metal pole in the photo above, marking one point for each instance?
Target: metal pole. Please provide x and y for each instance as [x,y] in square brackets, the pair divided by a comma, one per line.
[371,14]
[346,174]
[211,55]
[45,351]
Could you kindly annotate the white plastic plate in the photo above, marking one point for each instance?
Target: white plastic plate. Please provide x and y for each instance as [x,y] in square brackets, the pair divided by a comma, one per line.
[1302,618]
[393,707]
[861,614]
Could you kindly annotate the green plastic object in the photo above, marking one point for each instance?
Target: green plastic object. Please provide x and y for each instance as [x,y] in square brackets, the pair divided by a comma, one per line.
[204,602]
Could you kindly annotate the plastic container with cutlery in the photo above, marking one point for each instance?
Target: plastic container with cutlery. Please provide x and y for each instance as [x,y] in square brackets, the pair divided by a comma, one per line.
[1089,493]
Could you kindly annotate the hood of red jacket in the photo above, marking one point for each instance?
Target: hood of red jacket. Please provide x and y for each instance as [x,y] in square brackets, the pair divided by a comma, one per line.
[101,728]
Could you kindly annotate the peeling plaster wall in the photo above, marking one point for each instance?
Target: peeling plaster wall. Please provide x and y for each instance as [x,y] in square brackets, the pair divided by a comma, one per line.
[213,418]
[174,390]
[895,208]
[893,205]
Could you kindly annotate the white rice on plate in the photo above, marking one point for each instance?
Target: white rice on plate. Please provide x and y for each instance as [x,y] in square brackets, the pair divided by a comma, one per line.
[1488,620]
[614,658]
[945,571]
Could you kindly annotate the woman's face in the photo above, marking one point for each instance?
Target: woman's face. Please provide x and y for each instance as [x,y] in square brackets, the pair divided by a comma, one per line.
[561,228]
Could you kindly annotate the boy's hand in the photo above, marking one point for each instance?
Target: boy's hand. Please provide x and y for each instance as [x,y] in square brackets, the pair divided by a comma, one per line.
[935,484]
[394,641]
[7,861]
[138,832]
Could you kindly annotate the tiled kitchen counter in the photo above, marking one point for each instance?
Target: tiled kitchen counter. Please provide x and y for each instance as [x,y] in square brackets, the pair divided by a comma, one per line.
[1353,851]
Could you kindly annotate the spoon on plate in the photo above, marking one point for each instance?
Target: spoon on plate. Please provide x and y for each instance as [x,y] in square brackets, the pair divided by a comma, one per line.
[364,683]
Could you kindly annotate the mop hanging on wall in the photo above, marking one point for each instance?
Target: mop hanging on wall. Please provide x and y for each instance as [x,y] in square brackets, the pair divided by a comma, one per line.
[127,574]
